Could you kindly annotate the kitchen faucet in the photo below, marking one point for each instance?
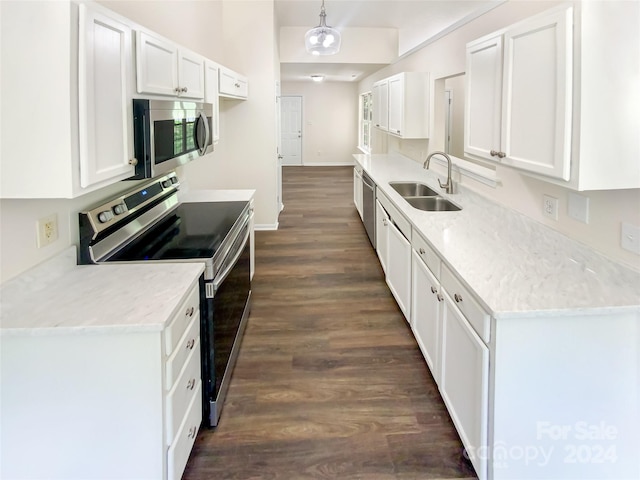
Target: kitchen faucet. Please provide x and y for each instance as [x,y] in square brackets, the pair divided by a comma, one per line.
[448,187]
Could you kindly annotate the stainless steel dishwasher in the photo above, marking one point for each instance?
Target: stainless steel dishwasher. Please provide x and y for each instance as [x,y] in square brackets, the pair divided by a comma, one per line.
[369,207]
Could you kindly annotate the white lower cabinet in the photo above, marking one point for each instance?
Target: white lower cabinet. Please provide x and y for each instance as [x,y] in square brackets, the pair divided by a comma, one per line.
[382,224]
[464,383]
[394,251]
[426,313]
[455,353]
[399,268]
[115,403]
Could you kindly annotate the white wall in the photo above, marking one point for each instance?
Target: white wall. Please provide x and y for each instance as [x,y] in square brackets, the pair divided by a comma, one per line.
[524,194]
[329,121]
[246,155]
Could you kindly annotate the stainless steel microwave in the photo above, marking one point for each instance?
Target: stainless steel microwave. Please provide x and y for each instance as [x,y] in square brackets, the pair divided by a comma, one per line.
[169,133]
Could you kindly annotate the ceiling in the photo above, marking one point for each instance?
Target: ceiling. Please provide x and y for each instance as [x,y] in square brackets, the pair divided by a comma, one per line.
[427,17]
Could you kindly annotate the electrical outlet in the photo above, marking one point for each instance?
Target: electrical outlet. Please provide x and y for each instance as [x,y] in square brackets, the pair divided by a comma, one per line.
[47,230]
[550,206]
[630,237]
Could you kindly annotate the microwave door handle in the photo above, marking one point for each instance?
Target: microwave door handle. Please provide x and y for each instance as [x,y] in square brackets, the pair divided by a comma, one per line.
[203,148]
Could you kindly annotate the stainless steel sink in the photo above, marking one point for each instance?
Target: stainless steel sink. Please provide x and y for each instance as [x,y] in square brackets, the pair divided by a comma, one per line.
[419,196]
[432,204]
[413,189]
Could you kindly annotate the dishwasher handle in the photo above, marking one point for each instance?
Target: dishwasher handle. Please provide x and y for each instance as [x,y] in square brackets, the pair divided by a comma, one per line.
[366,180]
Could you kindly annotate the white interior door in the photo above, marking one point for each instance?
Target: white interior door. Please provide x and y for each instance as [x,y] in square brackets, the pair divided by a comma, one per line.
[291,134]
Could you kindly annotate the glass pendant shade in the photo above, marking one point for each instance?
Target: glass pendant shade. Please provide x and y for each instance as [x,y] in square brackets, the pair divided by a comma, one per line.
[322,40]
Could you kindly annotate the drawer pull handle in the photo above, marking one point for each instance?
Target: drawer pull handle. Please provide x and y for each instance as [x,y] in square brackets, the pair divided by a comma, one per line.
[457,298]
[189,312]
[192,432]
[422,252]
[191,343]
[439,297]
[191,384]
[434,289]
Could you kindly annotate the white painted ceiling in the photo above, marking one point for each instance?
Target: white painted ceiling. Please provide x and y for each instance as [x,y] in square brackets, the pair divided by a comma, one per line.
[431,17]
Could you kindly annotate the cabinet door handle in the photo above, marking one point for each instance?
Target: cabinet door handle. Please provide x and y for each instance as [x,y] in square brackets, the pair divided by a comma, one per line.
[189,312]
[191,384]
[439,297]
[185,90]
[177,90]
[191,343]
[457,298]
[495,153]
[421,251]
[192,432]
[384,222]
[133,161]
[434,289]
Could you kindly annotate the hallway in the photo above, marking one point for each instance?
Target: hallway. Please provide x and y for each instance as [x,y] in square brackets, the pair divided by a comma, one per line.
[330,383]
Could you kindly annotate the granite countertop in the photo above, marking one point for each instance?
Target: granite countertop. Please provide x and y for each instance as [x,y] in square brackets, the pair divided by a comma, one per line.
[514,265]
[60,297]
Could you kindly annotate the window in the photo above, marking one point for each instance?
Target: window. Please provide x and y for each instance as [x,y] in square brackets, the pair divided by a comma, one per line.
[366,116]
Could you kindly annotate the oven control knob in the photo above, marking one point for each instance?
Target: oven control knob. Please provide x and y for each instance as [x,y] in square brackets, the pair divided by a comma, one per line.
[166,184]
[119,209]
[105,216]
[174,180]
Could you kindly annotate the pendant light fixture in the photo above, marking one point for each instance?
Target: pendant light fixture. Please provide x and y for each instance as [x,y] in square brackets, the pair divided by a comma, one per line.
[322,40]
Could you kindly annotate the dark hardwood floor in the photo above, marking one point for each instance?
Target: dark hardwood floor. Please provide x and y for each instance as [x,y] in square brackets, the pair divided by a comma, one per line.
[330,383]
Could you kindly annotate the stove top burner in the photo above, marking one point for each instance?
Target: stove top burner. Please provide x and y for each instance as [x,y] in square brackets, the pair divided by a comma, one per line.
[193,230]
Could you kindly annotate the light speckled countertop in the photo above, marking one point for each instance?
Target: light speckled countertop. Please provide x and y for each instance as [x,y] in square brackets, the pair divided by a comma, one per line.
[514,265]
[60,297]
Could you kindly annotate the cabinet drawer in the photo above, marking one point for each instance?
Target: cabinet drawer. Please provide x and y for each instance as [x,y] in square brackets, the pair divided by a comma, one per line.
[394,214]
[179,451]
[426,253]
[178,358]
[467,304]
[181,321]
[182,392]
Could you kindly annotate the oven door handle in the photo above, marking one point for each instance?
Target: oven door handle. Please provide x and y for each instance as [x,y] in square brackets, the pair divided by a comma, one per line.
[221,277]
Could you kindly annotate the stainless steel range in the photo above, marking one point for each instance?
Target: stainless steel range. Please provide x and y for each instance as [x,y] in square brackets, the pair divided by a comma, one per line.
[150,224]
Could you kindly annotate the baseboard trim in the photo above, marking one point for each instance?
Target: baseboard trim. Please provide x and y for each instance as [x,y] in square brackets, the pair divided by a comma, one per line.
[266,226]
[323,164]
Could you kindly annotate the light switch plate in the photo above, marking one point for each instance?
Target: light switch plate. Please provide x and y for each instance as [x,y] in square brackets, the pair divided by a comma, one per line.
[578,207]
[630,237]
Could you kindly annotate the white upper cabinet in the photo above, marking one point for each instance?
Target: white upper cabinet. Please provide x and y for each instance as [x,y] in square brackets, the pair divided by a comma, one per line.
[409,105]
[232,84]
[211,70]
[190,74]
[536,95]
[66,127]
[105,116]
[381,105]
[163,68]
[401,105]
[547,96]
[483,108]
[518,109]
